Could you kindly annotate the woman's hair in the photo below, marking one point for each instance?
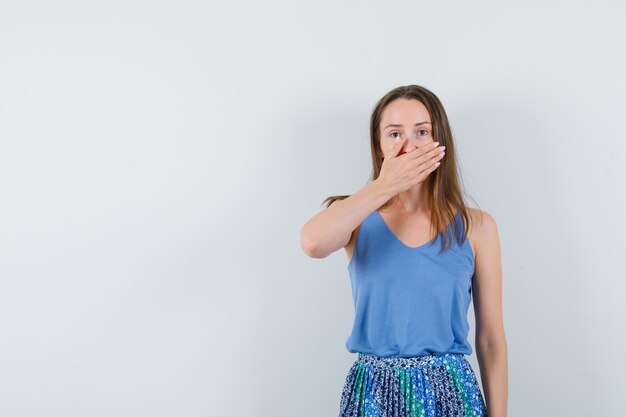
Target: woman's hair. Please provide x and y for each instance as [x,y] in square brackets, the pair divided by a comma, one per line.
[442,184]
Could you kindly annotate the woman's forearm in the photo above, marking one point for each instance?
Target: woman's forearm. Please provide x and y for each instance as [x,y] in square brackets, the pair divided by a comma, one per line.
[330,229]
[493,363]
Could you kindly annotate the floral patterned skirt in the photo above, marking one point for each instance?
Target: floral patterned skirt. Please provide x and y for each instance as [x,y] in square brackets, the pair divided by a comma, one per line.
[441,385]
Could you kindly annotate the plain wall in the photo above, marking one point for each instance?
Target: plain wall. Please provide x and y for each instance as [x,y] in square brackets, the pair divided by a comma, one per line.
[158,159]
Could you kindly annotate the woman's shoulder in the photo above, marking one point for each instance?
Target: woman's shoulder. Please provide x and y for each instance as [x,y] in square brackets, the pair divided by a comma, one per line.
[480,218]
[482,227]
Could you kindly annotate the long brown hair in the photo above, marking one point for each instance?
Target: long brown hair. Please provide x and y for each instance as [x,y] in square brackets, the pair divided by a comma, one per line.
[444,183]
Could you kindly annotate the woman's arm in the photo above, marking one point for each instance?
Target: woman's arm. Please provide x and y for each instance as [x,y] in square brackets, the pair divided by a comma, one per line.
[331,229]
[491,348]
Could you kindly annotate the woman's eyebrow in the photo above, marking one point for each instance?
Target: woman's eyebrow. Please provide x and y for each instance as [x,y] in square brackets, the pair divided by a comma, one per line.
[416,124]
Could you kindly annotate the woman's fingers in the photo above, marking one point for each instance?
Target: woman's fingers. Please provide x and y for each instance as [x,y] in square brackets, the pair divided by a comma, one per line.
[430,148]
[428,162]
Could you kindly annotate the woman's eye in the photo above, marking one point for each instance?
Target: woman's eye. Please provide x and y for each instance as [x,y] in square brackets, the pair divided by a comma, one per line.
[421,130]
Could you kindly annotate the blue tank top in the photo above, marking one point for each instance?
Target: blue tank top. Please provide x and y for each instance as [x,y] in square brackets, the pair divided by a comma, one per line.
[409,301]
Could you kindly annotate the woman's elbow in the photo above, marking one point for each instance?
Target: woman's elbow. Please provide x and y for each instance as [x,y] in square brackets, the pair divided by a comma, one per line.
[309,246]
[309,243]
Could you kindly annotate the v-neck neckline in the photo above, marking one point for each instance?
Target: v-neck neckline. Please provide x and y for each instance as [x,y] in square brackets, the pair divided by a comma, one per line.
[380,217]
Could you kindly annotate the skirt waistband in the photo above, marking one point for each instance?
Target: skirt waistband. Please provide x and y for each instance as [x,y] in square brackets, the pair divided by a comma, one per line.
[410,362]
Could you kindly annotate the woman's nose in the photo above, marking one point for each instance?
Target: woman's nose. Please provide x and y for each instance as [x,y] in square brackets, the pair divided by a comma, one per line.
[409,145]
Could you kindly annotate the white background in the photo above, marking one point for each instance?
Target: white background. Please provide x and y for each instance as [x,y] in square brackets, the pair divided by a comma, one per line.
[157,160]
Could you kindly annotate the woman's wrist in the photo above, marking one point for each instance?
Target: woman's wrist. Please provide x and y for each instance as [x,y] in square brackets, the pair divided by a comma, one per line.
[381,189]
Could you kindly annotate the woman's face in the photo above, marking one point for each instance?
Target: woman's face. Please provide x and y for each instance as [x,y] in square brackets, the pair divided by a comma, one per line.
[408,120]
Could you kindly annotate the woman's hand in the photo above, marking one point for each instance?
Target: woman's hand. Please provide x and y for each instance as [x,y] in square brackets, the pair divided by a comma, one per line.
[399,173]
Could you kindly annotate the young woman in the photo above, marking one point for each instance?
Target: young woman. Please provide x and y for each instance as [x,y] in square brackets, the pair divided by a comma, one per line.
[416,255]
